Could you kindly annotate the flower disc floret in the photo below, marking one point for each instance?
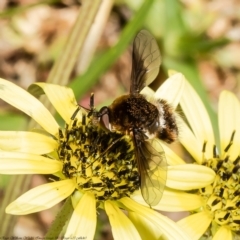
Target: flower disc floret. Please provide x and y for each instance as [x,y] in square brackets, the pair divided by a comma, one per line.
[101,162]
[222,197]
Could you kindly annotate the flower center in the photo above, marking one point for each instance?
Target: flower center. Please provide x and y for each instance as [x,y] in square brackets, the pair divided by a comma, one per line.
[101,162]
[222,197]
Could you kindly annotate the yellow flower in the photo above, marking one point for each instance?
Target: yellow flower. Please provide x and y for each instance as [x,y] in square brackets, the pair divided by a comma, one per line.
[219,212]
[91,166]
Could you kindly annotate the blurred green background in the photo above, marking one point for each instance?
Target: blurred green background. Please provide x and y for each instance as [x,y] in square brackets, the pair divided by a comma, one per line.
[198,38]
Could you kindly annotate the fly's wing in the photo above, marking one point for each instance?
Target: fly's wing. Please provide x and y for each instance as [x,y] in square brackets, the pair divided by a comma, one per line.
[146,60]
[152,165]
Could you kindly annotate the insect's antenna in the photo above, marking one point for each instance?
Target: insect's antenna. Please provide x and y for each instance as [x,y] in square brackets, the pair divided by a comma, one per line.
[93,112]
[90,110]
[92,101]
[77,110]
[87,109]
[91,105]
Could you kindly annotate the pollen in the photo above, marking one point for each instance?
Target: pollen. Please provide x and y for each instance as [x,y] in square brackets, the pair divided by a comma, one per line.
[101,162]
[222,197]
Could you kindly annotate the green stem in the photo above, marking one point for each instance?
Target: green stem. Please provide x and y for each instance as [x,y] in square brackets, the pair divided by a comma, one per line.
[62,217]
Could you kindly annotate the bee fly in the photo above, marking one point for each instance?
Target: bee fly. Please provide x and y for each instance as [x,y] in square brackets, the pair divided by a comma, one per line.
[134,115]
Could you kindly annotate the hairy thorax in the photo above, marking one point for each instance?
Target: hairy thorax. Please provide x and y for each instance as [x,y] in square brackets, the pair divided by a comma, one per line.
[133,111]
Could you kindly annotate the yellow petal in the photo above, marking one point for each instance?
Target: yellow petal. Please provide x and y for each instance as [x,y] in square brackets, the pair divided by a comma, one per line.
[229,121]
[145,228]
[122,227]
[171,90]
[177,201]
[171,72]
[172,157]
[168,227]
[189,176]
[28,104]
[190,142]
[223,233]
[27,163]
[161,147]
[197,117]
[62,98]
[195,225]
[148,92]
[41,197]
[29,142]
[173,201]
[84,219]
